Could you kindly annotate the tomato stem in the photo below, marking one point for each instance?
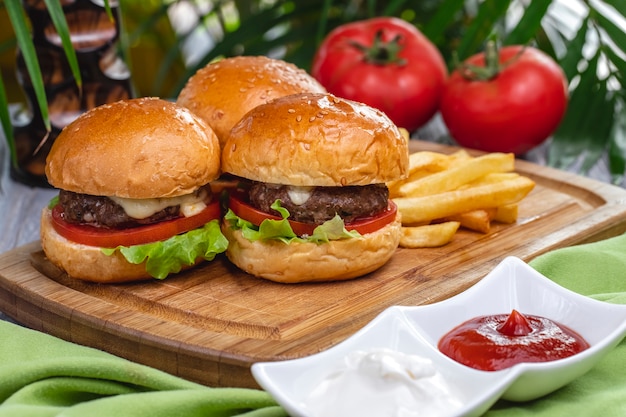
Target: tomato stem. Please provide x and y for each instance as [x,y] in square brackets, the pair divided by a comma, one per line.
[492,66]
[381,52]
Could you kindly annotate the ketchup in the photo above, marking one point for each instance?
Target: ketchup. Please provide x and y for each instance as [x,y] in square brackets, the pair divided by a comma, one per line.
[491,343]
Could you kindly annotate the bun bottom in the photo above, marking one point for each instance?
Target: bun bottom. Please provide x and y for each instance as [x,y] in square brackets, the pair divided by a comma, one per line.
[311,262]
[84,262]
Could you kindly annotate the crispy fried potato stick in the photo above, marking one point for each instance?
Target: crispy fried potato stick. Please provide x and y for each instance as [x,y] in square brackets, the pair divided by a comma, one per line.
[442,205]
[421,164]
[428,236]
[507,214]
[476,220]
[459,174]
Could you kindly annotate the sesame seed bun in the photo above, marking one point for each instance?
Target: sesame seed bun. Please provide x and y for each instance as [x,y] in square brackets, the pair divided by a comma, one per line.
[316,140]
[137,148]
[223,91]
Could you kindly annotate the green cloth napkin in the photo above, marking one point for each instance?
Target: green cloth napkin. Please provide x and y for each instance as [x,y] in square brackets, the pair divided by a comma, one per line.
[42,376]
[597,270]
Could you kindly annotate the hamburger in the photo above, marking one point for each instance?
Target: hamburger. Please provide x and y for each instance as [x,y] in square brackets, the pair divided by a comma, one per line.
[223,91]
[312,204]
[134,197]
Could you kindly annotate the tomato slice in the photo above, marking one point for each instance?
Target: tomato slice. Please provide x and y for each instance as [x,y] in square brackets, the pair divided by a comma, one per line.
[363,225]
[111,238]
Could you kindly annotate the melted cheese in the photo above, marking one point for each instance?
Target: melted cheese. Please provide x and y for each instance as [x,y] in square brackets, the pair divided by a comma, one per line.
[299,195]
[190,204]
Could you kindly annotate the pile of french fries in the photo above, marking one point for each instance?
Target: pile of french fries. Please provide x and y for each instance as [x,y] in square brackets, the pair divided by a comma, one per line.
[445,192]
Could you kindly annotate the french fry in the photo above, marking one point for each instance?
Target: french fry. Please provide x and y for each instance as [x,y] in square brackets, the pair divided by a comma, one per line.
[446,191]
[428,162]
[428,236]
[491,178]
[506,214]
[459,157]
[456,176]
[476,220]
[446,204]
[421,164]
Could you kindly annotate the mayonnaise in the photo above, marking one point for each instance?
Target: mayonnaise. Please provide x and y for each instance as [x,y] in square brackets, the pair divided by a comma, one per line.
[299,195]
[381,383]
[190,204]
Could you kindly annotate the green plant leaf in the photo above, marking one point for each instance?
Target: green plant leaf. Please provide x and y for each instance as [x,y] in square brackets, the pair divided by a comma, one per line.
[616,33]
[587,123]
[323,23]
[568,141]
[481,26]
[24,42]
[60,24]
[618,5]
[574,54]
[446,13]
[528,25]
[617,61]
[617,144]
[392,8]
[250,34]
[5,119]
[599,123]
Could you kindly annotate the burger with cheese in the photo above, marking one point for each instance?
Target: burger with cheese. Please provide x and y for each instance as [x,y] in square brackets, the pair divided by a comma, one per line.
[312,204]
[223,91]
[134,199]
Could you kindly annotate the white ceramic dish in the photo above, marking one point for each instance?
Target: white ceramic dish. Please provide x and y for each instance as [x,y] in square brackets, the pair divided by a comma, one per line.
[416,330]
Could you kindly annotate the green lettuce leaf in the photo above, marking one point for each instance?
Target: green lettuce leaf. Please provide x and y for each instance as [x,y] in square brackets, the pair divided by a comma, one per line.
[53,202]
[169,256]
[333,229]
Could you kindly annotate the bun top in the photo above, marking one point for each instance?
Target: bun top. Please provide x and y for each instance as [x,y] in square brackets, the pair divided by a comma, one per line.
[223,91]
[316,140]
[137,148]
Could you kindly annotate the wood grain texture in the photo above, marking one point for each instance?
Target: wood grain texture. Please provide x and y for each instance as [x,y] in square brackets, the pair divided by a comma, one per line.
[211,323]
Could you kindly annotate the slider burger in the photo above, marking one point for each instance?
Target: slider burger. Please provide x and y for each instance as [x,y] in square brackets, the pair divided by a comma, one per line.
[134,200]
[223,91]
[312,204]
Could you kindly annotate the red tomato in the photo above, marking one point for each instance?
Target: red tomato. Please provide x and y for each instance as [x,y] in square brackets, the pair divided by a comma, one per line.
[362,225]
[111,238]
[513,111]
[386,63]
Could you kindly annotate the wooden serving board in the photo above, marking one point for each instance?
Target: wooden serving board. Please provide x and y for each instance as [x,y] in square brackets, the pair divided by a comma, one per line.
[211,323]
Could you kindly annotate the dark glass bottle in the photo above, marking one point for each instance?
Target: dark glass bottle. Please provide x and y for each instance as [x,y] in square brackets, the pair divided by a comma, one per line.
[105,78]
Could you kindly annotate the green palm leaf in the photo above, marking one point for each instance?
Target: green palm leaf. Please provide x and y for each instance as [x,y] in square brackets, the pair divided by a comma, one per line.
[22,33]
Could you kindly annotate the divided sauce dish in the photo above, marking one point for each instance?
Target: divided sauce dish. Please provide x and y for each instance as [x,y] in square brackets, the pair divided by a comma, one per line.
[512,284]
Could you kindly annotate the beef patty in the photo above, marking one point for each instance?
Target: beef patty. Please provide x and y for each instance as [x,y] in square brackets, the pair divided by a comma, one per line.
[101,211]
[348,202]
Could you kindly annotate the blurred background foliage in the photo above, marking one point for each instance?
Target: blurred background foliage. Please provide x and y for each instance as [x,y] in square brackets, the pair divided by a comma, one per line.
[166,41]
